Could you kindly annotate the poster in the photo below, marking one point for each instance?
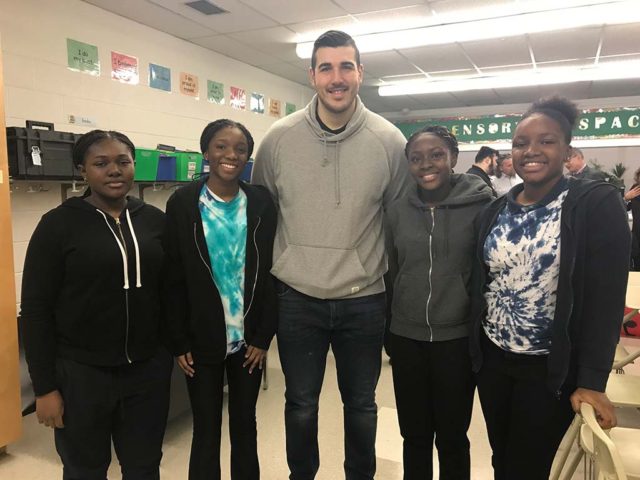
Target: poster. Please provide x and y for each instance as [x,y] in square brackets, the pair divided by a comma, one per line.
[215,92]
[159,77]
[275,107]
[189,84]
[257,103]
[238,98]
[289,108]
[124,68]
[83,57]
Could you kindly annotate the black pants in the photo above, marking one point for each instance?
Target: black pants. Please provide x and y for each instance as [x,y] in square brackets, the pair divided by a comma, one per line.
[126,404]
[434,387]
[525,420]
[205,393]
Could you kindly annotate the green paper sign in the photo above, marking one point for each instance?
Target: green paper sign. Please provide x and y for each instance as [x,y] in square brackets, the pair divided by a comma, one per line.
[215,92]
[83,57]
[289,108]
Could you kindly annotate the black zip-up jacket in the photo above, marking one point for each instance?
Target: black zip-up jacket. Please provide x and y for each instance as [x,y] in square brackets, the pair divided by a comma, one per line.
[594,264]
[195,318]
[74,301]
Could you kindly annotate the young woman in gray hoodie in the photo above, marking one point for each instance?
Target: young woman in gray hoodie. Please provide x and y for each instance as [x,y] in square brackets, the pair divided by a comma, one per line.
[430,242]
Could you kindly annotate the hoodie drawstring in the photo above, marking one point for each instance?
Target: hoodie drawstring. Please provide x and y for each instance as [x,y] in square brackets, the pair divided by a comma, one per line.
[337,173]
[125,265]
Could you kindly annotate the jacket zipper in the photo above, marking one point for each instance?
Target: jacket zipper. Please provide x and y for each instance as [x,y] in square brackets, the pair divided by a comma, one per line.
[433,225]
[126,295]
[255,280]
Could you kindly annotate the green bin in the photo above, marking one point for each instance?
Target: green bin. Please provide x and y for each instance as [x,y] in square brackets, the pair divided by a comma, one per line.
[146,165]
[188,164]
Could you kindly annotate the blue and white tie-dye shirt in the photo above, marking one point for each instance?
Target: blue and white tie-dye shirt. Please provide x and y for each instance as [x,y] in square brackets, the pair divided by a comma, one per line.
[225,231]
[522,252]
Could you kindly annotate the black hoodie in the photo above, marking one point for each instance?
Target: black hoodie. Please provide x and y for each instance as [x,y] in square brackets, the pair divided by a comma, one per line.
[594,264]
[77,301]
[194,313]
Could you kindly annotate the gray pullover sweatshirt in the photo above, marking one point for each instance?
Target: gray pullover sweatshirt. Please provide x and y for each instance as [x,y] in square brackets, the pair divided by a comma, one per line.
[430,257]
[330,191]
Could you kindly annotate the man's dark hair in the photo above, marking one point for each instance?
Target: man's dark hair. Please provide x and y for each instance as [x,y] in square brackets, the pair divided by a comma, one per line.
[333,39]
[485,152]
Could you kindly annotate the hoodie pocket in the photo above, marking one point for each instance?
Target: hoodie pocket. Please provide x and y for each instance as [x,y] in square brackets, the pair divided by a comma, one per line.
[450,301]
[410,298]
[321,271]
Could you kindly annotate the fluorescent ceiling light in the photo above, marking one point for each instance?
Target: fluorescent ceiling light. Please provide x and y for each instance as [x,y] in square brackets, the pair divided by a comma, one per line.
[514,24]
[522,78]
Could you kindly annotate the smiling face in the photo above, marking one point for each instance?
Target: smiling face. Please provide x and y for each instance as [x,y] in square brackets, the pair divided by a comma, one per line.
[227,154]
[538,150]
[108,169]
[431,161]
[336,78]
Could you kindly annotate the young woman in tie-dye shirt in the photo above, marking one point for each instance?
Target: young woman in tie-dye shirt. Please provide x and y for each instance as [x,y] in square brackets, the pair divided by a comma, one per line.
[220,298]
[551,274]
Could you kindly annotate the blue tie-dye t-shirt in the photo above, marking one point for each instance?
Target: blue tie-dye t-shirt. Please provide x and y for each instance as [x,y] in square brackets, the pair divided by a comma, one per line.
[225,231]
[522,252]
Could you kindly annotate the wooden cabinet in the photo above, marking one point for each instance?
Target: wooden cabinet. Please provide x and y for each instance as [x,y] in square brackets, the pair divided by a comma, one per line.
[10,415]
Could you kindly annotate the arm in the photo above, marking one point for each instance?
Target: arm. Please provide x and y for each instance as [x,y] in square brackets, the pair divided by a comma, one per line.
[400,179]
[263,166]
[605,280]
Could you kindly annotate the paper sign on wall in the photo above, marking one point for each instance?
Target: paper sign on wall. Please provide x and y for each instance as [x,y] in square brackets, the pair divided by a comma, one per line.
[275,107]
[238,98]
[159,77]
[189,84]
[257,103]
[82,57]
[215,92]
[289,108]
[124,68]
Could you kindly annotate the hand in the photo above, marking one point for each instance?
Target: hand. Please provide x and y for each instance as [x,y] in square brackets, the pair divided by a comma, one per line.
[631,194]
[185,362]
[49,409]
[254,357]
[605,412]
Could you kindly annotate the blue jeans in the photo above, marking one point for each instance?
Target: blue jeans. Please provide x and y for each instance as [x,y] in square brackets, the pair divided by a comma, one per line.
[354,328]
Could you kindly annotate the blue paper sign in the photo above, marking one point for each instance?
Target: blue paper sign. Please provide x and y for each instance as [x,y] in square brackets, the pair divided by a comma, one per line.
[159,77]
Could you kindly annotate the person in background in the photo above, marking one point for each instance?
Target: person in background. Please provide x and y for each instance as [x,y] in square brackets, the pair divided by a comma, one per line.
[577,167]
[632,199]
[431,248]
[508,176]
[548,297]
[220,299]
[90,319]
[332,168]
[485,165]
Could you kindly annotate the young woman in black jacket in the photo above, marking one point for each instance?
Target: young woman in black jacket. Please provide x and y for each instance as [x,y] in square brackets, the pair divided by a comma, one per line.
[90,319]
[220,300]
[550,281]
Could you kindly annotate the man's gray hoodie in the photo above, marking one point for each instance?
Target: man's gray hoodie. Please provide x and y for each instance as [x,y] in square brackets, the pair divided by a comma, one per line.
[330,191]
[430,257]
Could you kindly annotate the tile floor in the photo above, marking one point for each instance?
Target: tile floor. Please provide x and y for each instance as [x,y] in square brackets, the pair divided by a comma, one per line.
[33,457]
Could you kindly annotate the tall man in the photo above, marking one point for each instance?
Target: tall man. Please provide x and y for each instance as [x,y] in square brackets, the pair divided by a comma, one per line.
[485,165]
[331,168]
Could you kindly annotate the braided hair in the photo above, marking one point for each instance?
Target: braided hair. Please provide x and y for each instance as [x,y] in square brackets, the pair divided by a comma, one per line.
[86,141]
[214,127]
[440,131]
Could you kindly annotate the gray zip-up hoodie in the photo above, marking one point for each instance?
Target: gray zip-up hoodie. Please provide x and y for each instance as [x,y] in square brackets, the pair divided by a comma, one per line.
[330,191]
[430,258]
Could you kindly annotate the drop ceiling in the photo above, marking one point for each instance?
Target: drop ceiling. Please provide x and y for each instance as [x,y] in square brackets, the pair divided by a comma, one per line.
[263,33]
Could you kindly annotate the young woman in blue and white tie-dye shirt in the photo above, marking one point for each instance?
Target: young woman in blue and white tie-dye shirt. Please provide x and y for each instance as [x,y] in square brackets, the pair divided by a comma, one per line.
[221,302]
[550,280]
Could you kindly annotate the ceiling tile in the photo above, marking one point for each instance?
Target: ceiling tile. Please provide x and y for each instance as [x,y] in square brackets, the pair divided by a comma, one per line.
[566,44]
[286,70]
[523,95]
[620,39]
[393,19]
[276,41]
[286,11]
[365,6]
[240,16]
[311,30]
[436,58]
[477,97]
[442,7]
[387,63]
[499,51]
[614,88]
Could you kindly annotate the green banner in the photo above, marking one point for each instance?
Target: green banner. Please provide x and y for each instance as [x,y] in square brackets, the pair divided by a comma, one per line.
[591,125]
[83,57]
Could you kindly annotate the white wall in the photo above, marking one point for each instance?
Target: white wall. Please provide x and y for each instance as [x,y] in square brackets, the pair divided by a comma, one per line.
[39,86]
